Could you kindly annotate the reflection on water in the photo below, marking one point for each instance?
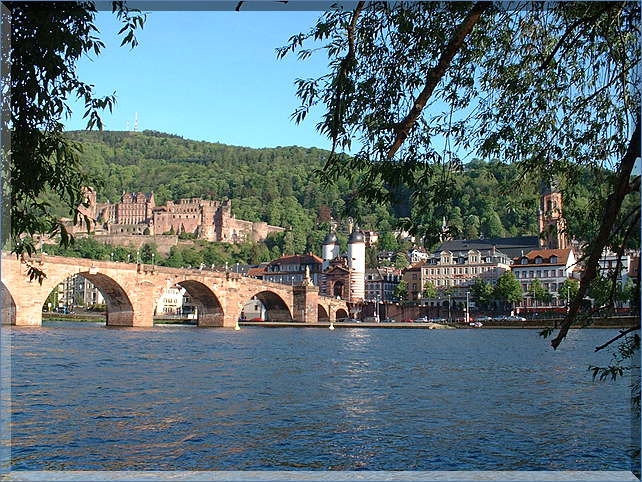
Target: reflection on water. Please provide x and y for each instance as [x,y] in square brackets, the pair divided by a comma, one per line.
[86,397]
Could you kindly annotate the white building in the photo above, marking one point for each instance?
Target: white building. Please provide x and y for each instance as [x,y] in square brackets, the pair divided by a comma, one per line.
[291,270]
[609,263]
[551,267]
[171,301]
[416,255]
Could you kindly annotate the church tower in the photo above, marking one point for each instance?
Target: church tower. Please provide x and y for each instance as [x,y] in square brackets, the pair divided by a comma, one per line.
[552,227]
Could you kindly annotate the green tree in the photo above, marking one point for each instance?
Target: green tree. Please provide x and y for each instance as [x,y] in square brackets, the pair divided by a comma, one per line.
[471,227]
[630,292]
[401,261]
[542,87]
[175,258]
[568,289]
[482,292]
[491,226]
[539,293]
[148,253]
[41,160]
[401,290]
[447,291]
[371,257]
[388,242]
[508,289]
[430,291]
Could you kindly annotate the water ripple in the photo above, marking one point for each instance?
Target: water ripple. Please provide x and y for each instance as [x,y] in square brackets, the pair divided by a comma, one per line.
[90,398]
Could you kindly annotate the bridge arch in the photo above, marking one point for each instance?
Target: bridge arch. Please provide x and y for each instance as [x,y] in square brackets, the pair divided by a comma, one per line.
[340,314]
[210,309]
[8,306]
[120,310]
[322,314]
[276,308]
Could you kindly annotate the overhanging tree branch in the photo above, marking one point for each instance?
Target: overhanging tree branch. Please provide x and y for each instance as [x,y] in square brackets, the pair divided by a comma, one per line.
[612,209]
[615,338]
[436,73]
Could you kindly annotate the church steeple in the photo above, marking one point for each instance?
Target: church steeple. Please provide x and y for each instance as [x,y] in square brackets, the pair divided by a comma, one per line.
[552,227]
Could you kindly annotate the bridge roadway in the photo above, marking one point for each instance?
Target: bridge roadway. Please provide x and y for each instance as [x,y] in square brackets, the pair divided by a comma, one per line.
[132,290]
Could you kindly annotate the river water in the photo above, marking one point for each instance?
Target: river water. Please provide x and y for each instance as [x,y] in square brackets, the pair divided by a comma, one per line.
[86,397]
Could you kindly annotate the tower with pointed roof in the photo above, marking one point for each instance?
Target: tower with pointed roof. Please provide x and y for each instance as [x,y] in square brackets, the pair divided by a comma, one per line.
[330,249]
[552,227]
[357,265]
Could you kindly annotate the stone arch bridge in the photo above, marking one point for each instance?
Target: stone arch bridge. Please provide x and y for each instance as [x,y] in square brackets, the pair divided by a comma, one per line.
[132,290]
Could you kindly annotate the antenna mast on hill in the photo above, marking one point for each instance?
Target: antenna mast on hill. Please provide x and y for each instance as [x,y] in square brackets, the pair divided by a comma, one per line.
[128,126]
[135,121]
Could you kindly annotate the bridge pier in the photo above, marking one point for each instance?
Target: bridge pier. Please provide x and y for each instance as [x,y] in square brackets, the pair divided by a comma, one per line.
[306,304]
[26,315]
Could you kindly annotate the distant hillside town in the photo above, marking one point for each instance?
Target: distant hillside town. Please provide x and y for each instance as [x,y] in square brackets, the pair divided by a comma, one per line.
[456,274]
[137,214]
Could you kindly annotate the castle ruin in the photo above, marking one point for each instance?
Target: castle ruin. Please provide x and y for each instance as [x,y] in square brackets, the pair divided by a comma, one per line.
[137,214]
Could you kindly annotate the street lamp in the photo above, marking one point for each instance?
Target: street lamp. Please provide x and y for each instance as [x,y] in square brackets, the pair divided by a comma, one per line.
[111,256]
[449,308]
[467,308]
[129,257]
[377,308]
[152,261]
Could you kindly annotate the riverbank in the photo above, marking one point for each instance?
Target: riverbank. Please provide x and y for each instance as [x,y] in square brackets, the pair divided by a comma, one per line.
[100,318]
[619,322]
[326,325]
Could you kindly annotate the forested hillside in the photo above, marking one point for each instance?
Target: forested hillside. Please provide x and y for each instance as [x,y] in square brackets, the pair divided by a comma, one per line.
[278,185]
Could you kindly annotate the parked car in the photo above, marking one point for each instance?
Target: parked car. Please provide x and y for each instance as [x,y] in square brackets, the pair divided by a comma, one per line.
[515,318]
[423,319]
[407,320]
[388,320]
[483,318]
[256,319]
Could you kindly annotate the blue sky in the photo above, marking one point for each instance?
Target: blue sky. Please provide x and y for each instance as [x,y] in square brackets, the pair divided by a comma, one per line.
[206,75]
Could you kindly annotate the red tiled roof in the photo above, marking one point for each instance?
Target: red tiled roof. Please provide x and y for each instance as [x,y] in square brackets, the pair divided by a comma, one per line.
[256,272]
[545,254]
[415,266]
[298,259]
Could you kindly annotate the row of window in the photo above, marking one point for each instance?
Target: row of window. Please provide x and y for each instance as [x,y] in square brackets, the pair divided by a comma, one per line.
[550,287]
[451,271]
[547,273]
[539,260]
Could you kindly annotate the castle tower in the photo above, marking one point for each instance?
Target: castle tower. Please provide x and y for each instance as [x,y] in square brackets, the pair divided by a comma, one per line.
[550,218]
[87,208]
[330,249]
[357,266]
